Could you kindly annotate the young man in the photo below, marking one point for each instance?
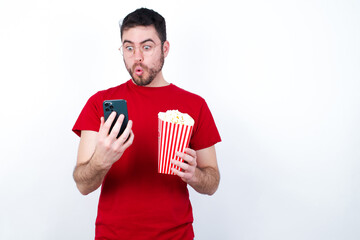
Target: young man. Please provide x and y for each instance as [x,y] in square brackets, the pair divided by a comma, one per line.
[137,202]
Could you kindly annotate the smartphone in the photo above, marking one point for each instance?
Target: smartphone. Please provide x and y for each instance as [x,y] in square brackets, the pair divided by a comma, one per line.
[120,107]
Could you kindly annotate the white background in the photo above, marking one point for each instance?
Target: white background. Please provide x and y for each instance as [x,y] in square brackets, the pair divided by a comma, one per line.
[282,79]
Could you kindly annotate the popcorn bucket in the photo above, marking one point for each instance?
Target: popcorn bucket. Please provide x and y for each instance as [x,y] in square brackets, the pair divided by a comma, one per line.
[172,138]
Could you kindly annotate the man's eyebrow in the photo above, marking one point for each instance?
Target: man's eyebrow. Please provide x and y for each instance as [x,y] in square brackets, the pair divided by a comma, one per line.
[142,42]
[148,40]
[127,41]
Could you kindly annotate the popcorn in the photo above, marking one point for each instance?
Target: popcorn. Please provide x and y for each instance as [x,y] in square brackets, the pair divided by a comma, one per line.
[174,132]
[174,116]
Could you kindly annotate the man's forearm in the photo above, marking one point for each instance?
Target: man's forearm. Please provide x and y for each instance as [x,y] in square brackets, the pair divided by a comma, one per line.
[207,180]
[87,177]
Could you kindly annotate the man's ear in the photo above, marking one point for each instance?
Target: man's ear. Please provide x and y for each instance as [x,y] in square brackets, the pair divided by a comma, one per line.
[166,48]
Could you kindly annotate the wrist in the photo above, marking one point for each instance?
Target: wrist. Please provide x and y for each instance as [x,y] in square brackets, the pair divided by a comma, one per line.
[196,177]
[96,164]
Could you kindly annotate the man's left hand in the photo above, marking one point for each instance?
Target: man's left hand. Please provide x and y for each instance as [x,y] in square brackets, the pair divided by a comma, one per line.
[188,166]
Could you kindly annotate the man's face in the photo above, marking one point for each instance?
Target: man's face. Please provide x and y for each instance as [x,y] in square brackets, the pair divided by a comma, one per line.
[143,54]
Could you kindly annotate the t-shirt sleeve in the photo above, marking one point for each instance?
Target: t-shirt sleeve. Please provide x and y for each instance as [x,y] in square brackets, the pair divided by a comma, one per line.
[205,132]
[89,118]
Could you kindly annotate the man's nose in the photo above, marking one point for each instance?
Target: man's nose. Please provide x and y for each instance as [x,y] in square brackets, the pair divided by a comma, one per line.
[138,55]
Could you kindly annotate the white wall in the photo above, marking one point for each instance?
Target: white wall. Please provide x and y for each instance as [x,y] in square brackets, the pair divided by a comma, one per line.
[282,81]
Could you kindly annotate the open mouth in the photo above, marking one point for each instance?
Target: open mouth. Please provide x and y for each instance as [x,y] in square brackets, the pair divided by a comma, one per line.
[139,70]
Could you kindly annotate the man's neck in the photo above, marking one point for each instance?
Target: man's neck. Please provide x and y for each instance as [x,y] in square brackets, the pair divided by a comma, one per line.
[159,81]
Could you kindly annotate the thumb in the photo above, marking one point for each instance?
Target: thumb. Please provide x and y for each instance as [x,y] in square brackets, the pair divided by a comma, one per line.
[101,123]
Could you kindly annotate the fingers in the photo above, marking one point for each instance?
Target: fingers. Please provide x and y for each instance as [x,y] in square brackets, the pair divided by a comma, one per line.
[124,137]
[124,140]
[188,166]
[105,126]
[189,156]
[102,121]
[187,172]
[115,130]
[129,141]
[191,152]
[179,173]
[184,166]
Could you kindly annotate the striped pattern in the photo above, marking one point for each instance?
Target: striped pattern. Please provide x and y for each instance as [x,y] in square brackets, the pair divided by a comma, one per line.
[172,138]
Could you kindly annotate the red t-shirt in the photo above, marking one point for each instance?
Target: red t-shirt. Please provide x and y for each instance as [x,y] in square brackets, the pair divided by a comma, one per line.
[136,202]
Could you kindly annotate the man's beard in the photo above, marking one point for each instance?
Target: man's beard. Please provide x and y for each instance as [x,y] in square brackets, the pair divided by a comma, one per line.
[153,72]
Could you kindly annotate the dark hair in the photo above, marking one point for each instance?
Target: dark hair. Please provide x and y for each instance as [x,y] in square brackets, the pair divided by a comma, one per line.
[145,17]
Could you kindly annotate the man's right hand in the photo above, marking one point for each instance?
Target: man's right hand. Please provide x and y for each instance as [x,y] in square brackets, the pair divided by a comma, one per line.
[98,151]
[109,149]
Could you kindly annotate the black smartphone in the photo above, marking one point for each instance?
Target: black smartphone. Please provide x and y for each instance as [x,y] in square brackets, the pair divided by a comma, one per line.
[120,107]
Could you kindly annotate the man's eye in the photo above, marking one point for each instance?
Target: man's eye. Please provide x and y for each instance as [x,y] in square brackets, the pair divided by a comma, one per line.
[129,48]
[147,47]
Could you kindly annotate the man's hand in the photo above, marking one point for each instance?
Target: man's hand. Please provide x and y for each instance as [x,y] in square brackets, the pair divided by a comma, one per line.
[188,166]
[199,169]
[109,149]
[98,151]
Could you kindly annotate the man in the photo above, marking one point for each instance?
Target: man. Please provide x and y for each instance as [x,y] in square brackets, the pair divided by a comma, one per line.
[137,202]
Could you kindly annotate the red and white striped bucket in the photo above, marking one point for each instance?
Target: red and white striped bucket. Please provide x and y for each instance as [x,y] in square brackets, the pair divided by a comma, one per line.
[172,138]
